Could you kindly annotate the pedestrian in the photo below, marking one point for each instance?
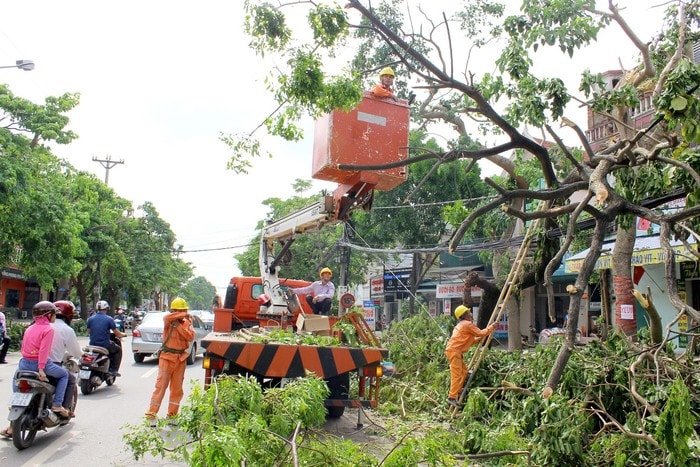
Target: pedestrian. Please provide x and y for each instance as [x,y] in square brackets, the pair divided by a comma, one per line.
[384,87]
[464,335]
[321,293]
[178,335]
[65,343]
[100,326]
[5,337]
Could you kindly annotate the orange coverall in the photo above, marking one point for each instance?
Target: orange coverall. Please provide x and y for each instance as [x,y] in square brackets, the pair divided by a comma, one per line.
[171,365]
[464,335]
[380,91]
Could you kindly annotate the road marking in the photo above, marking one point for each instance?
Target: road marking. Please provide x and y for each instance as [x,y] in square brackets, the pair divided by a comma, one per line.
[150,372]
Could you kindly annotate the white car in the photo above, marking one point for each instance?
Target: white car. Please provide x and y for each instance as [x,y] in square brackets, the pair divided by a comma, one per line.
[206,316]
[147,338]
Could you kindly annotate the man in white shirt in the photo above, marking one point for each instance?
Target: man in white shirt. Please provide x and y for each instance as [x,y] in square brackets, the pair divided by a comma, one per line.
[321,293]
[65,343]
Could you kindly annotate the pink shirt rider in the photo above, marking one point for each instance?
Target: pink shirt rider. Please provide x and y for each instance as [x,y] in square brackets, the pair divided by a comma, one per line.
[37,340]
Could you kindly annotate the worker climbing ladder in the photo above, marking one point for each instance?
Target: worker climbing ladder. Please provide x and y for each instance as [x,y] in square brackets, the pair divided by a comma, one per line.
[506,292]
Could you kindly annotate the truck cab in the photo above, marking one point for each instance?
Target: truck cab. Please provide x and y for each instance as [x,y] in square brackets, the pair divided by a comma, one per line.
[241,308]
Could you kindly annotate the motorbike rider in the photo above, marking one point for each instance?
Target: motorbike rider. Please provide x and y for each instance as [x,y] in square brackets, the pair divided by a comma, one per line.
[65,343]
[120,319]
[99,326]
[36,348]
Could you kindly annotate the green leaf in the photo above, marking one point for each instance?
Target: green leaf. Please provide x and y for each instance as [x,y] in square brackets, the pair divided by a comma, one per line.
[679,103]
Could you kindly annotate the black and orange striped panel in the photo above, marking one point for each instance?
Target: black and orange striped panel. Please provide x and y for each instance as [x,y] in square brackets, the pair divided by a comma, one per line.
[291,361]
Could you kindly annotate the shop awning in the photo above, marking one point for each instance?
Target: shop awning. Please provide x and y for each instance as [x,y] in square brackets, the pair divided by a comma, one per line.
[647,250]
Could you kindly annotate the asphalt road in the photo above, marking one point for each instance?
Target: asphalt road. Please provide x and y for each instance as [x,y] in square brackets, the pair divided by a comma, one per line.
[94,437]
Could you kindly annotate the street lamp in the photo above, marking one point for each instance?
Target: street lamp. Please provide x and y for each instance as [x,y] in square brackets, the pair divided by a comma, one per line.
[26,65]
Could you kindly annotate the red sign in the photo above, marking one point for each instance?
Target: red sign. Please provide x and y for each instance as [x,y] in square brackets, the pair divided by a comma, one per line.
[376,286]
[347,300]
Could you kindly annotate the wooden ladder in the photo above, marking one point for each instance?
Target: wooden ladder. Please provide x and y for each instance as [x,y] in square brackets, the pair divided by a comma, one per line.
[364,332]
[506,292]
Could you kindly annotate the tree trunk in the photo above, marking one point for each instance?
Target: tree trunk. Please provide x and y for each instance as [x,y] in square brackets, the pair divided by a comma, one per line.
[489,297]
[82,295]
[576,293]
[515,341]
[622,279]
[605,306]
[655,327]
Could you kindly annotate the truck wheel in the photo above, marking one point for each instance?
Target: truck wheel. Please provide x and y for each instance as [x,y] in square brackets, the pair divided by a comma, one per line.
[339,387]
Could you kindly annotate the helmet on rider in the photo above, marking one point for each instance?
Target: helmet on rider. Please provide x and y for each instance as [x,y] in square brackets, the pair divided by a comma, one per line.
[43,308]
[65,310]
[325,270]
[461,310]
[102,306]
[178,304]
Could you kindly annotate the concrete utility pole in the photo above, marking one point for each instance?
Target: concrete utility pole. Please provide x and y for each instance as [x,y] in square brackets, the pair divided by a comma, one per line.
[107,163]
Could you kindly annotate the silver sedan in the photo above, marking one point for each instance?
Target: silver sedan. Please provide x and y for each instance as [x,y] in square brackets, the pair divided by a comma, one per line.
[148,337]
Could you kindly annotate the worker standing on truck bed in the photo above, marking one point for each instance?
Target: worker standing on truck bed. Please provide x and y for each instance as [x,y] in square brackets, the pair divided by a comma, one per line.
[464,335]
[322,293]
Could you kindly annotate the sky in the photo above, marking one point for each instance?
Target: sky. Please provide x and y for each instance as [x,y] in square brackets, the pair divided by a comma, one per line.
[159,81]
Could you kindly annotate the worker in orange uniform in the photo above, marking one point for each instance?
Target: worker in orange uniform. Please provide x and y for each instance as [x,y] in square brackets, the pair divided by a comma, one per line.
[384,87]
[464,335]
[178,335]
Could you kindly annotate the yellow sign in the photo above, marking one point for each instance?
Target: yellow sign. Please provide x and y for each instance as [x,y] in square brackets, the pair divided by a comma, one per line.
[639,258]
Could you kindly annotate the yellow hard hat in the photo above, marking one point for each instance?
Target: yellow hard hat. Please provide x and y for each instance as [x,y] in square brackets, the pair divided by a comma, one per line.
[179,304]
[325,270]
[460,310]
[387,71]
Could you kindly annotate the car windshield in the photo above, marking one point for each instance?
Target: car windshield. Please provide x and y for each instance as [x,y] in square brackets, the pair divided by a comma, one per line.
[153,319]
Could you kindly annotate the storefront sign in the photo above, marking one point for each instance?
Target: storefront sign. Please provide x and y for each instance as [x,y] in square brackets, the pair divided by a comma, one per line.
[397,280]
[454,291]
[376,286]
[370,313]
[639,258]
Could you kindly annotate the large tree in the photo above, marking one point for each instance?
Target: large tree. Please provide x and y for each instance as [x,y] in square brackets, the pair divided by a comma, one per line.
[58,223]
[199,293]
[38,227]
[503,99]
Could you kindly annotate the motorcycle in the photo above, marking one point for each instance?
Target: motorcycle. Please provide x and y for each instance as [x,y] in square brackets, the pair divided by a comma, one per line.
[30,408]
[120,321]
[94,367]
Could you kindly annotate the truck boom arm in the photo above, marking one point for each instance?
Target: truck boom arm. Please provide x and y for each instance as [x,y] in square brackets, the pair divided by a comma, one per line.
[310,219]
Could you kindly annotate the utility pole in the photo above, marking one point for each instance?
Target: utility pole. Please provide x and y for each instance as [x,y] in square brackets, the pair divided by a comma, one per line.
[107,163]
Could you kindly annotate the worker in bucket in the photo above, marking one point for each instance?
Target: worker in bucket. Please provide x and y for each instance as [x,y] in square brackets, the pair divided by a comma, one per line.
[464,335]
[384,87]
[321,293]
